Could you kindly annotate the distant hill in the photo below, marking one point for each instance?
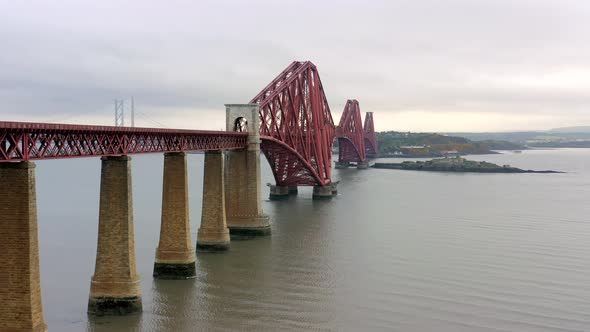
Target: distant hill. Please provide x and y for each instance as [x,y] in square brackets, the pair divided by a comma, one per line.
[432,144]
[515,136]
[579,129]
[568,137]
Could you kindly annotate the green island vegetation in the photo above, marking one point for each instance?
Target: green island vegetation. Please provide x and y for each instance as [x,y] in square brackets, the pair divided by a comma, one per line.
[456,164]
[407,144]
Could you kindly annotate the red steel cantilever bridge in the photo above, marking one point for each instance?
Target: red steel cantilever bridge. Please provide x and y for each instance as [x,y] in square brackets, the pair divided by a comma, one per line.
[296,129]
[297,133]
[371,148]
[351,140]
[356,143]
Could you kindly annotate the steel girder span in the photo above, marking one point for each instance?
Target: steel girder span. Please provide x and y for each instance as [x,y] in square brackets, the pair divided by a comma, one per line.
[297,129]
[23,141]
[351,142]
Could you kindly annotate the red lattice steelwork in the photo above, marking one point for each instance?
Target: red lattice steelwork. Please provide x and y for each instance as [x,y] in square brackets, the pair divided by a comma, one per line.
[370,137]
[296,127]
[22,141]
[351,141]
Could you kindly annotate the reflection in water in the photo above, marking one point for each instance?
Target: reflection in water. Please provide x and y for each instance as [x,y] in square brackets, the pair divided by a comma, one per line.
[240,277]
[395,250]
[131,323]
[171,297]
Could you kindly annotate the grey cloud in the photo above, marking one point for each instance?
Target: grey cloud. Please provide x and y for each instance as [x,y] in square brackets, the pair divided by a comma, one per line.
[393,56]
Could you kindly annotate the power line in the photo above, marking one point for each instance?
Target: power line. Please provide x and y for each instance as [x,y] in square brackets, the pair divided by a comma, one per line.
[147,117]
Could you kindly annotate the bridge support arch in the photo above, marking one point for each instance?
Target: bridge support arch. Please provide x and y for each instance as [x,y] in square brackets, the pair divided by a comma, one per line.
[115,287]
[20,289]
[243,203]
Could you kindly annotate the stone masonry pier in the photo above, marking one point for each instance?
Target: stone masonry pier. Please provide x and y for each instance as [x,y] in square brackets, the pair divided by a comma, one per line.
[243,203]
[115,288]
[20,289]
[175,255]
[213,234]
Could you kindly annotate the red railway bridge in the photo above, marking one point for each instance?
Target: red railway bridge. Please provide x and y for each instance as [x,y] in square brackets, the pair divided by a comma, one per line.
[289,121]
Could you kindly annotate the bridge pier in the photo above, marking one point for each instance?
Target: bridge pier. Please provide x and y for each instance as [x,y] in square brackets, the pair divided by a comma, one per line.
[21,308]
[213,234]
[279,192]
[362,164]
[282,192]
[243,203]
[326,192]
[175,255]
[115,287]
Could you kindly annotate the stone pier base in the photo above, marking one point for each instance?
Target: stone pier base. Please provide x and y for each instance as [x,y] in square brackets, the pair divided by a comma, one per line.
[174,271]
[213,241]
[334,186]
[246,227]
[293,190]
[21,307]
[115,287]
[213,234]
[279,192]
[114,306]
[362,164]
[175,255]
[326,192]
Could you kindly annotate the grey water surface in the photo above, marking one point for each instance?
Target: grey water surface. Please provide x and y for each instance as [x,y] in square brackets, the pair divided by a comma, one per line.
[395,250]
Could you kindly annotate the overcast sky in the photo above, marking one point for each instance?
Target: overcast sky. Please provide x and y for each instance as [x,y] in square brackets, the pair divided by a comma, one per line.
[420,65]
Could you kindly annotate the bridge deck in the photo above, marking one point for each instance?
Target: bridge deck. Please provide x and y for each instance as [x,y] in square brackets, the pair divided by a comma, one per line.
[23,141]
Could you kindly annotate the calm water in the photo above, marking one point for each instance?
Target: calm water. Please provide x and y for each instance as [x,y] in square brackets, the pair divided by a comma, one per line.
[396,250]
